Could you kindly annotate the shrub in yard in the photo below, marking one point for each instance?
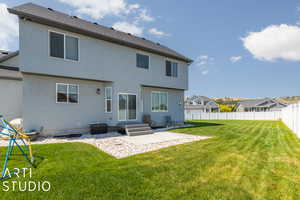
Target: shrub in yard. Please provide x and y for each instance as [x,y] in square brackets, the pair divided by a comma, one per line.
[226,108]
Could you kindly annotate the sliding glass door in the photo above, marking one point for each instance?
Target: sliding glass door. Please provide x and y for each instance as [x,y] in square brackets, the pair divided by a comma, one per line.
[127,107]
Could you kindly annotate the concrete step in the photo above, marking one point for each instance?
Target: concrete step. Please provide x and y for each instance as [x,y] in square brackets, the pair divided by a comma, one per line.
[138,129]
[135,129]
[136,125]
[137,133]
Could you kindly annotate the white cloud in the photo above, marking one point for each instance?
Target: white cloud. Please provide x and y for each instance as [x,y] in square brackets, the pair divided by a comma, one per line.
[274,42]
[203,57]
[204,72]
[100,8]
[133,7]
[128,28]
[144,16]
[205,63]
[235,58]
[158,33]
[9,28]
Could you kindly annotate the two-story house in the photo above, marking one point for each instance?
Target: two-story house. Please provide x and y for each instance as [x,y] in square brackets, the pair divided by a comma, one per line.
[259,105]
[200,104]
[77,72]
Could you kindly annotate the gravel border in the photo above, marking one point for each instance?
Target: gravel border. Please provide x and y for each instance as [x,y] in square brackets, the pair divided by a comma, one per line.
[120,146]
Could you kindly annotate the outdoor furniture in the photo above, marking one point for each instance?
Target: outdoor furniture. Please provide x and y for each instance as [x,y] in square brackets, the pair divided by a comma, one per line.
[98,128]
[147,119]
[33,134]
[168,120]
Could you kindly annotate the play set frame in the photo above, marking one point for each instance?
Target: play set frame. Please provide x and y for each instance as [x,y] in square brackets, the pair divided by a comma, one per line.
[16,137]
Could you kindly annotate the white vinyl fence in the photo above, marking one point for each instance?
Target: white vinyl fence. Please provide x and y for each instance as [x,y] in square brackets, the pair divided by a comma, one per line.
[276,115]
[291,117]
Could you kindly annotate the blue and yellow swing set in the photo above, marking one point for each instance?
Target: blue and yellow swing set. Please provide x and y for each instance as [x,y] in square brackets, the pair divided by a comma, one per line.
[16,137]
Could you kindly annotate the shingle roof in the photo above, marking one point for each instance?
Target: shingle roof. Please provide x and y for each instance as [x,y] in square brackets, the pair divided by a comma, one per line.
[57,19]
[199,99]
[10,74]
[5,55]
[208,103]
[257,102]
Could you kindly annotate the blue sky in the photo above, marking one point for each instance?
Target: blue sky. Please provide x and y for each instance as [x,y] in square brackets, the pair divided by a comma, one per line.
[265,64]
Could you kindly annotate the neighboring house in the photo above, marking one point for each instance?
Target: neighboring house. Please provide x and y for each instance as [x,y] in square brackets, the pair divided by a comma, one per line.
[10,86]
[77,72]
[259,105]
[201,104]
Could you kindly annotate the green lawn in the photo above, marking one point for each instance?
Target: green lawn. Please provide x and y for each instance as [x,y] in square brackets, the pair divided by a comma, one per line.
[243,160]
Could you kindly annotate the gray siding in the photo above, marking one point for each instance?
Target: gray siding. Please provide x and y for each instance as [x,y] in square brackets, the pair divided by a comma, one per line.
[11,99]
[99,60]
[41,109]
[175,105]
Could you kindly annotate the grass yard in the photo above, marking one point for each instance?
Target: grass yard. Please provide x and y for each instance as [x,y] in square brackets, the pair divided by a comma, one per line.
[243,160]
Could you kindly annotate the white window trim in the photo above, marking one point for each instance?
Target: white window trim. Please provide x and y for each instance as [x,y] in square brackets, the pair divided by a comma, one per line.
[167,101]
[145,54]
[136,96]
[106,99]
[172,61]
[64,34]
[67,102]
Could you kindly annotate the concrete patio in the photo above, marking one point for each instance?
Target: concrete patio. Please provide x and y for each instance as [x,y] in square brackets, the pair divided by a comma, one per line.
[121,146]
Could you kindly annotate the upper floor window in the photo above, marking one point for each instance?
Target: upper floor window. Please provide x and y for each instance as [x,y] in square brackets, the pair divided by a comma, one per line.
[171,68]
[142,61]
[64,46]
[67,93]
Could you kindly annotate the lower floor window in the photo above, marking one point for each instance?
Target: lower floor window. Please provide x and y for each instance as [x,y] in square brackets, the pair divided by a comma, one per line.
[67,93]
[159,102]
[108,99]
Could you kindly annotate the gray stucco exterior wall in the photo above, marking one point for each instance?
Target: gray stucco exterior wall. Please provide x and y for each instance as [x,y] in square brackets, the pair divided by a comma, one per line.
[41,109]
[175,105]
[11,98]
[98,60]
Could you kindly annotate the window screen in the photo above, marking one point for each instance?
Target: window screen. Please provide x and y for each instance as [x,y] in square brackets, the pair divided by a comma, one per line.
[62,93]
[142,61]
[71,48]
[168,68]
[171,68]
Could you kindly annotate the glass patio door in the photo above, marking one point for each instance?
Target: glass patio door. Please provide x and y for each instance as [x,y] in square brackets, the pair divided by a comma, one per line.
[127,107]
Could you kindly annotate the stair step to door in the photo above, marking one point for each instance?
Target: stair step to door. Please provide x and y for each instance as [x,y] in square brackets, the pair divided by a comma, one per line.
[137,133]
[136,125]
[138,129]
[146,128]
